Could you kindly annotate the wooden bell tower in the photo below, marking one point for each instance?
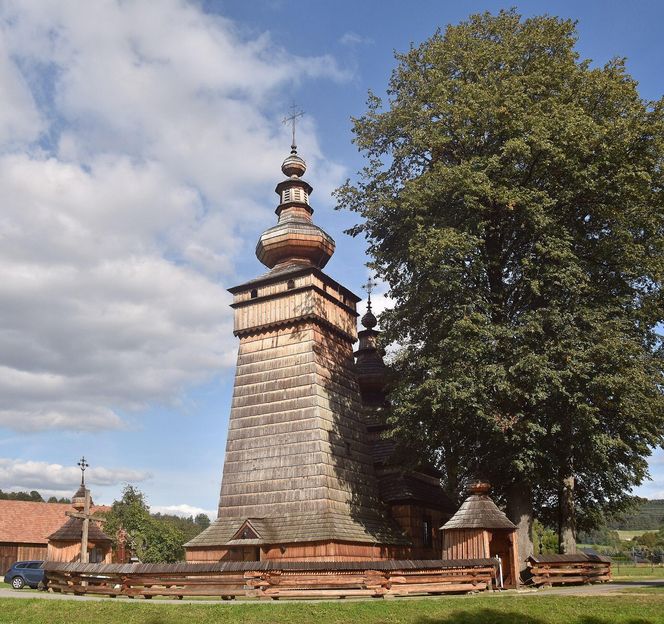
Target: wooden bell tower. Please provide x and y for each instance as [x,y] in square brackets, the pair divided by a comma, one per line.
[298,479]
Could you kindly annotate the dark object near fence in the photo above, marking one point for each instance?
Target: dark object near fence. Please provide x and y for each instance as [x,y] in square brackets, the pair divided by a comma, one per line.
[274,579]
[579,568]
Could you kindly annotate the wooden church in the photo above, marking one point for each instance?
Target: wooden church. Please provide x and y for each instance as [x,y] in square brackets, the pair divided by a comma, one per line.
[308,474]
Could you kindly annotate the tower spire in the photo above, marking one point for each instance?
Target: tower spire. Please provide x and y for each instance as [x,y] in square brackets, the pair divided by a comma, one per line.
[295,113]
[369,320]
[295,239]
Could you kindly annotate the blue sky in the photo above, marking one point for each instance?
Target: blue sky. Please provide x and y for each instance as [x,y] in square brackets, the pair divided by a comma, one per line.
[140,143]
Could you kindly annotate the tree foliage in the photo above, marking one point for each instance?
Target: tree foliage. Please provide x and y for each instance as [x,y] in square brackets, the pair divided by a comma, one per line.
[512,200]
[153,538]
[32,496]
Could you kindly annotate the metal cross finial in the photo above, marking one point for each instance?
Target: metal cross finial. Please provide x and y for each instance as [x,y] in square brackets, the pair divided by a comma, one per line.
[83,465]
[369,287]
[295,113]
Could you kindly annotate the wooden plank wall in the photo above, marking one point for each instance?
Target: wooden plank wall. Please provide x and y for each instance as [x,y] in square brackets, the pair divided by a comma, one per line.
[411,519]
[70,552]
[329,551]
[465,544]
[309,551]
[10,553]
[276,305]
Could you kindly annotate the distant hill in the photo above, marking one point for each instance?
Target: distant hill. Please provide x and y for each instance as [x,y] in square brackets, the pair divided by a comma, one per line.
[649,515]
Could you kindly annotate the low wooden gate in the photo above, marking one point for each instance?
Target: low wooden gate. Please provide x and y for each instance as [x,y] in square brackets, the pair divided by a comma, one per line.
[273,579]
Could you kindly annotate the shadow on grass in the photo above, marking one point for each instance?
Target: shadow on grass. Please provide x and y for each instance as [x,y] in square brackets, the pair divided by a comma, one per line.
[491,616]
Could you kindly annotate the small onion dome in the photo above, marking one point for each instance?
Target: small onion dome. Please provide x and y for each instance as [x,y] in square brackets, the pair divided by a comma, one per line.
[369,320]
[294,166]
[78,500]
[479,487]
[296,239]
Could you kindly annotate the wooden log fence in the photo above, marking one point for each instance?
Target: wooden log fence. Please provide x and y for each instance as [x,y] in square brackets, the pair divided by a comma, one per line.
[274,580]
[580,568]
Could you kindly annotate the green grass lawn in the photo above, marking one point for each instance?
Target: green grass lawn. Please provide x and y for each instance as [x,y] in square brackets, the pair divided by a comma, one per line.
[485,609]
[634,572]
[625,536]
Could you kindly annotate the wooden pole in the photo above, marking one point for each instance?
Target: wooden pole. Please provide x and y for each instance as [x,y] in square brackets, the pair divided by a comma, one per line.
[86,526]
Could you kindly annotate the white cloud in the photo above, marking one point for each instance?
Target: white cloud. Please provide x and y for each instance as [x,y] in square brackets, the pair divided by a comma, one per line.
[351,38]
[139,145]
[184,510]
[55,479]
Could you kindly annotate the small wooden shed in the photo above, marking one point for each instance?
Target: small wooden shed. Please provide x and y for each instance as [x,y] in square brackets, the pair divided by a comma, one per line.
[65,543]
[479,529]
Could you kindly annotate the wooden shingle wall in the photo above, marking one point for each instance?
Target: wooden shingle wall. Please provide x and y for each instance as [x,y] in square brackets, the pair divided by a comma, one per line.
[296,443]
[297,453]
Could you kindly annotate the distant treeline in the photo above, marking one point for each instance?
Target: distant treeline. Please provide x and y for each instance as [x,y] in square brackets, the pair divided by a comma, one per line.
[32,496]
[189,527]
[649,515]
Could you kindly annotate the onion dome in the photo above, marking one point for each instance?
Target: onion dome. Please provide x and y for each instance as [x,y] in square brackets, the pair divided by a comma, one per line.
[293,166]
[295,238]
[369,321]
[78,500]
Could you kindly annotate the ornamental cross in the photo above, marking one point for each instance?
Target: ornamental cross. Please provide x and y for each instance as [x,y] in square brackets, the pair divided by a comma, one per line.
[369,287]
[83,465]
[295,113]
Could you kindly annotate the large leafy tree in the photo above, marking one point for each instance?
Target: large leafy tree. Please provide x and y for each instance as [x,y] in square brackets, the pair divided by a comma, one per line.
[153,538]
[512,201]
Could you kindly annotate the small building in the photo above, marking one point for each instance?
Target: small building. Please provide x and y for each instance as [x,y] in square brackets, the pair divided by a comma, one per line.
[65,543]
[479,529]
[25,527]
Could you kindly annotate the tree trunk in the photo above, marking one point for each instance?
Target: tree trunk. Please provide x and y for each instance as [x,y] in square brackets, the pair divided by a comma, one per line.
[520,512]
[567,525]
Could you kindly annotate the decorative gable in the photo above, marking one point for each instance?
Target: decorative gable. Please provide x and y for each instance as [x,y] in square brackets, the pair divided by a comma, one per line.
[246,531]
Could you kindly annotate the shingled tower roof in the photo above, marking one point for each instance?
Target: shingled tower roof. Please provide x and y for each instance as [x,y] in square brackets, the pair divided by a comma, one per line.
[478,511]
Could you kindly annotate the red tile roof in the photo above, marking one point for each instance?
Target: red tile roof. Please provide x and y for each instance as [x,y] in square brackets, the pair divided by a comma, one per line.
[25,522]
